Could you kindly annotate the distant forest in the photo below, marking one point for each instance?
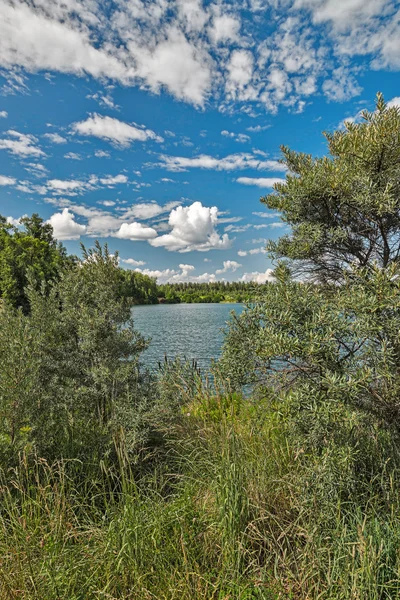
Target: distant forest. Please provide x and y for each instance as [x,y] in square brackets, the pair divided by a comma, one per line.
[216,291]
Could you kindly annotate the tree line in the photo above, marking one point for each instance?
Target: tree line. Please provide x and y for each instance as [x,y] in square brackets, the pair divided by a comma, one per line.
[29,252]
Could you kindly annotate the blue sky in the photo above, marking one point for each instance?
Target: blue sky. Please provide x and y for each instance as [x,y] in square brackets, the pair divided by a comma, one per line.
[156,126]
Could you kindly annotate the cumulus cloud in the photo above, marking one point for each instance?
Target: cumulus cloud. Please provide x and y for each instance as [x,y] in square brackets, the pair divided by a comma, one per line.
[239,74]
[135,232]
[224,28]
[258,277]
[176,63]
[65,227]
[55,138]
[4,180]
[232,162]
[229,265]
[101,154]
[3,114]
[238,137]
[132,262]
[61,185]
[149,210]
[47,37]
[72,156]
[394,102]
[112,180]
[113,130]
[193,228]
[73,187]
[261,182]
[20,144]
[12,221]
[185,274]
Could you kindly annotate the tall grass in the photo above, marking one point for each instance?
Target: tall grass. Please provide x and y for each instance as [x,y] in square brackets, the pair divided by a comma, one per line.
[224,514]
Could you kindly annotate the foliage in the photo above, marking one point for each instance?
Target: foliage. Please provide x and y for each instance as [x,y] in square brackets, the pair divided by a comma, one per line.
[213,292]
[343,209]
[277,475]
[139,288]
[69,370]
[28,253]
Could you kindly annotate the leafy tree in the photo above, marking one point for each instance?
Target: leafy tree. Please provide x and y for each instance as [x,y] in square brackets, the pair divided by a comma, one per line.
[31,252]
[69,376]
[343,209]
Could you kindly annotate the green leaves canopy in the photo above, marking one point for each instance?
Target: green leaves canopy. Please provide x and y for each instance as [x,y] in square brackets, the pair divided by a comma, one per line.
[344,209]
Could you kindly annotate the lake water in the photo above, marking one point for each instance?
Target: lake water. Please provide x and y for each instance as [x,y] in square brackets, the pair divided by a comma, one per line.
[192,331]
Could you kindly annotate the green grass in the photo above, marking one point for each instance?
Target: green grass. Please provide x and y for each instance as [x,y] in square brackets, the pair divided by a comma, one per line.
[223,515]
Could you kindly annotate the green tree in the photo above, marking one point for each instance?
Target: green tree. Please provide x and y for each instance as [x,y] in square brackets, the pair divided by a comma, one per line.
[69,376]
[30,252]
[343,209]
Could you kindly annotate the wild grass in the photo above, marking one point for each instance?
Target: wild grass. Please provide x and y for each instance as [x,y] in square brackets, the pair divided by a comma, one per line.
[226,514]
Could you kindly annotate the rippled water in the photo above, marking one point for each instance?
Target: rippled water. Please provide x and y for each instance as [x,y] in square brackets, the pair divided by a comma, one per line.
[192,331]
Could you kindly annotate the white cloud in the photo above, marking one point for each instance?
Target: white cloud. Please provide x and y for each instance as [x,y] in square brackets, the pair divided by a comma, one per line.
[229,265]
[48,37]
[112,180]
[238,137]
[4,180]
[65,227]
[237,228]
[344,13]
[224,28]
[394,102]
[55,138]
[341,86]
[161,276]
[258,128]
[258,277]
[101,154]
[72,156]
[261,182]
[174,62]
[107,202]
[132,262]
[252,251]
[20,144]
[194,49]
[149,210]
[3,114]
[12,221]
[135,231]
[265,215]
[193,228]
[239,73]
[61,185]
[113,130]
[232,162]
[37,169]
[183,275]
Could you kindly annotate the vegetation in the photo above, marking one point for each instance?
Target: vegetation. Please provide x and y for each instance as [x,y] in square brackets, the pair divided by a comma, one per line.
[213,292]
[31,252]
[119,485]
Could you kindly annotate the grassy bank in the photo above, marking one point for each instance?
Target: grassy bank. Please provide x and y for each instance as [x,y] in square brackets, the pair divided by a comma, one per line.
[220,513]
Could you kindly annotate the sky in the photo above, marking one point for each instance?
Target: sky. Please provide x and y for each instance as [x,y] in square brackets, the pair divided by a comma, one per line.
[156,126]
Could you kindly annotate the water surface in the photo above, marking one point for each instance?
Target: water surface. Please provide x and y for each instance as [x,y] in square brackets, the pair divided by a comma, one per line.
[192,331]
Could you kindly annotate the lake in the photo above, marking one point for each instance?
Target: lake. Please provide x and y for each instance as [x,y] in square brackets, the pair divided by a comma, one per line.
[192,331]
